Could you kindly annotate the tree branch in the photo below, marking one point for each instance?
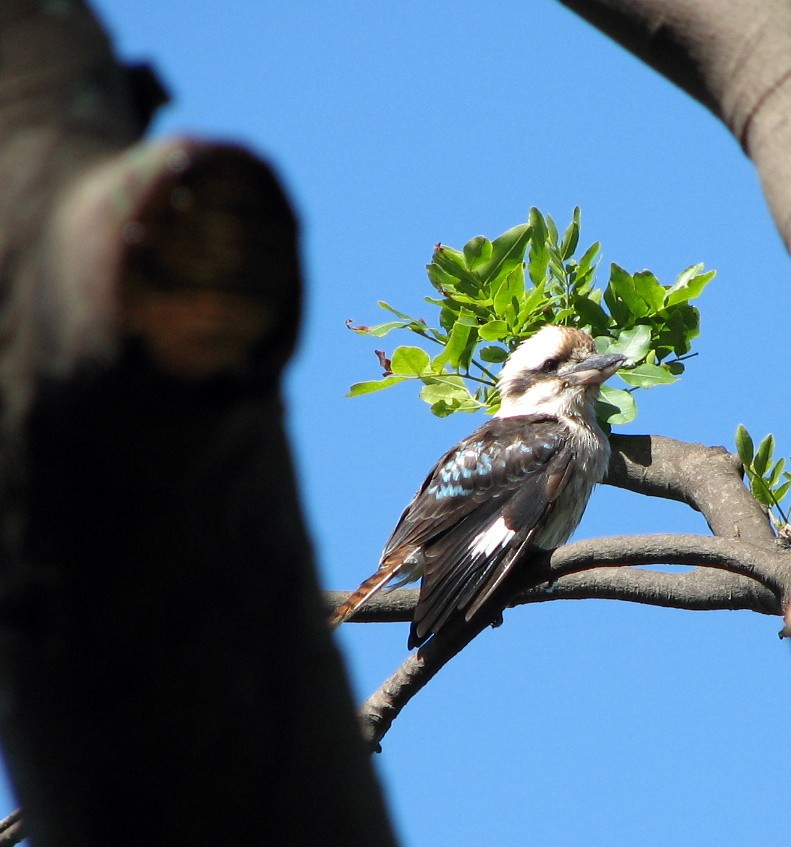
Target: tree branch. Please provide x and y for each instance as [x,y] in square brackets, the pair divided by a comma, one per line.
[12,829]
[709,479]
[747,577]
[734,57]
[740,568]
[701,589]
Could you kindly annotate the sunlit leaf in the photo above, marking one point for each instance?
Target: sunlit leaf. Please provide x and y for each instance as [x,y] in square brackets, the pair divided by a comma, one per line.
[410,361]
[623,286]
[477,251]
[688,285]
[647,376]
[633,343]
[744,445]
[763,455]
[493,353]
[761,490]
[539,251]
[456,346]
[508,252]
[571,236]
[493,330]
[774,475]
[648,287]
[781,491]
[380,330]
[450,388]
[616,406]
[360,388]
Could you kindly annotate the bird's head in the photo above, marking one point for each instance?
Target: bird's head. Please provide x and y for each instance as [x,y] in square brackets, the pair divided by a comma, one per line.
[556,372]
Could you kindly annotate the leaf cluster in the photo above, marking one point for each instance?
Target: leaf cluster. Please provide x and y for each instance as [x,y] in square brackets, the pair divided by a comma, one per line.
[493,294]
[769,481]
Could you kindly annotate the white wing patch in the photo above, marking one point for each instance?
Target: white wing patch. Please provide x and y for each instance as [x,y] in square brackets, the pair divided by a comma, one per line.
[491,539]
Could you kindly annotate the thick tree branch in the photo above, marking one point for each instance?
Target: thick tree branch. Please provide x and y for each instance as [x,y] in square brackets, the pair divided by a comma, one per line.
[12,829]
[595,568]
[149,299]
[709,479]
[734,56]
[701,589]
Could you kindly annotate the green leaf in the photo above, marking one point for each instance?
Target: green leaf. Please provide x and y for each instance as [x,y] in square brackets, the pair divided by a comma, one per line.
[774,475]
[615,406]
[509,294]
[680,328]
[409,361]
[380,330]
[744,445]
[531,303]
[622,285]
[688,285]
[388,308]
[589,257]
[591,315]
[571,236]
[781,491]
[493,330]
[647,376]
[539,251]
[360,388]
[477,251]
[763,455]
[444,388]
[648,287]
[761,491]
[508,252]
[444,408]
[633,343]
[552,230]
[457,344]
[456,276]
[493,353]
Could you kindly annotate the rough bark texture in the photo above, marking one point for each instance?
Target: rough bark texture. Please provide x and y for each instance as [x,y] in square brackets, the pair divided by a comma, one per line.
[153,552]
[734,56]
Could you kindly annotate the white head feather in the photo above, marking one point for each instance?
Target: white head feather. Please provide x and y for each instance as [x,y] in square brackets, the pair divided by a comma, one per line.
[525,389]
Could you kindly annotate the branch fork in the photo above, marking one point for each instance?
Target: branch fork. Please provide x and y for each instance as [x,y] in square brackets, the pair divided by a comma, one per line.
[740,566]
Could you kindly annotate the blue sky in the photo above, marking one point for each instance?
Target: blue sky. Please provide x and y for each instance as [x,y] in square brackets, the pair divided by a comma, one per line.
[396,126]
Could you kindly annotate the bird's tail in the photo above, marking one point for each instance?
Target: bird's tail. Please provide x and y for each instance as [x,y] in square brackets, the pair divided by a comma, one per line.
[361,596]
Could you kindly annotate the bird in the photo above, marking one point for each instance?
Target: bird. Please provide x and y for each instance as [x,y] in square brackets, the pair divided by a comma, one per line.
[505,495]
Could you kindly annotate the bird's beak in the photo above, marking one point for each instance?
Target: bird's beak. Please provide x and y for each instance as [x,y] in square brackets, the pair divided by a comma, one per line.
[594,370]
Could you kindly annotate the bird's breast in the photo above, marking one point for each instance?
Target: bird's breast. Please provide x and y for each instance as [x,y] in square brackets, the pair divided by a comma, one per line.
[591,457]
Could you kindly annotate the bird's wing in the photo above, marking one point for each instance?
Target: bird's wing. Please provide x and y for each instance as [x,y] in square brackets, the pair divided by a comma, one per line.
[477,510]
[492,461]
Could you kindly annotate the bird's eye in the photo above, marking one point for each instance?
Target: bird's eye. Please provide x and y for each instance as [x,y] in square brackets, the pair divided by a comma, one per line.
[550,365]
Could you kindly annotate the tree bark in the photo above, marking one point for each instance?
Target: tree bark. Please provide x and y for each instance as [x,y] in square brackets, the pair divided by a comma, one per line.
[734,56]
[154,557]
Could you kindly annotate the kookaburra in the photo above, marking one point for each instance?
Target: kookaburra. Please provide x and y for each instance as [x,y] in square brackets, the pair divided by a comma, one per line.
[517,486]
